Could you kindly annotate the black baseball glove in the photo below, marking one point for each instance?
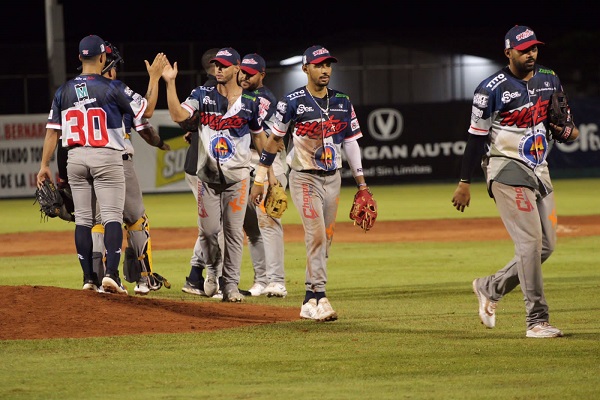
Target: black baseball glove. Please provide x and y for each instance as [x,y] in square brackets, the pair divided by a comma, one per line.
[51,202]
[560,115]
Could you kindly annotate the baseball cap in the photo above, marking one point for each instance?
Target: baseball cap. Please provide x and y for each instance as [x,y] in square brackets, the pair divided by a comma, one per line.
[520,37]
[91,46]
[227,56]
[317,54]
[253,64]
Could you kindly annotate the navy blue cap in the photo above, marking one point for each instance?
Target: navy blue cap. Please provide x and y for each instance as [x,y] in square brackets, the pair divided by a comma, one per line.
[253,64]
[520,37]
[227,56]
[316,55]
[91,46]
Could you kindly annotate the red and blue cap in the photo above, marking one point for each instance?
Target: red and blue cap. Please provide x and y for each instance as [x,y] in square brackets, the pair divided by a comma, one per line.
[316,55]
[91,46]
[253,64]
[227,56]
[520,37]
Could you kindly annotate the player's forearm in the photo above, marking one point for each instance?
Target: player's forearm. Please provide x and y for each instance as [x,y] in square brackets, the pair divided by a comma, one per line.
[151,137]
[152,97]
[50,142]
[176,112]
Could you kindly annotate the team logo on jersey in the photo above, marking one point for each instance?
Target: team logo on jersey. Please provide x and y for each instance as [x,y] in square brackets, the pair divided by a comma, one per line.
[82,92]
[317,129]
[325,157]
[525,116]
[218,123]
[222,147]
[533,149]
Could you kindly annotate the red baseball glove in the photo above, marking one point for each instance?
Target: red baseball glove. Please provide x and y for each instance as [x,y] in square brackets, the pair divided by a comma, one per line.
[364,209]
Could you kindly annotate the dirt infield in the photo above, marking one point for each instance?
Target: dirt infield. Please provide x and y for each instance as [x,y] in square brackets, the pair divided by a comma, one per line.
[37,312]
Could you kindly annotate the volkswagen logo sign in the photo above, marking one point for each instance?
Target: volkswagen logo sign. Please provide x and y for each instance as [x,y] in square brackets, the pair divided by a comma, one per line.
[385,124]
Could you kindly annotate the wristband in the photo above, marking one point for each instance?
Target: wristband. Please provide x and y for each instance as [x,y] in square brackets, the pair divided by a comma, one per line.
[267,158]
[465,181]
[257,183]
[361,185]
[261,174]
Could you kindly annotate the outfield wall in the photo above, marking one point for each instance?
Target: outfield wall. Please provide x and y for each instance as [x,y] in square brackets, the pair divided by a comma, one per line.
[401,144]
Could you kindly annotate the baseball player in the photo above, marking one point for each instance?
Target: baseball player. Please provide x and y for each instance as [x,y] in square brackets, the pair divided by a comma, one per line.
[265,233]
[229,119]
[88,110]
[321,120]
[508,132]
[137,266]
[196,287]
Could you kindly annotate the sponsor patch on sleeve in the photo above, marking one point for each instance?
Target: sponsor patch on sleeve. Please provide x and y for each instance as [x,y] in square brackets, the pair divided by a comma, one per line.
[480,100]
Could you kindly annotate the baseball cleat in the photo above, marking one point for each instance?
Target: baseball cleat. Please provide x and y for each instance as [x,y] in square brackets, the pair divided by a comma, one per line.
[487,308]
[256,290]
[112,284]
[543,330]
[275,289]
[309,309]
[325,312]
[211,285]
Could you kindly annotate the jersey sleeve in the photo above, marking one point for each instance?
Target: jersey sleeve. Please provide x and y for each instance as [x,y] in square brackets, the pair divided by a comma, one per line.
[281,118]
[55,117]
[192,102]
[354,127]
[481,111]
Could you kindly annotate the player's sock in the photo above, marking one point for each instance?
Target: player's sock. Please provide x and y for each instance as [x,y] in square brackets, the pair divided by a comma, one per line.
[319,296]
[195,274]
[83,245]
[113,239]
[309,295]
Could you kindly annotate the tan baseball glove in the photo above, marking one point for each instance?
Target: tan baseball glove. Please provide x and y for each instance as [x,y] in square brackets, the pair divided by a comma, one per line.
[275,200]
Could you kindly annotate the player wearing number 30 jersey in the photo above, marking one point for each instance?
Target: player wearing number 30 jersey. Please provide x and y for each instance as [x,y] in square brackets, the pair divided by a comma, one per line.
[87,112]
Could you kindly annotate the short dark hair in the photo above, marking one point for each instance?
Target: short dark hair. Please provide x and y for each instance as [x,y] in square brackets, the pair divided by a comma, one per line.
[206,57]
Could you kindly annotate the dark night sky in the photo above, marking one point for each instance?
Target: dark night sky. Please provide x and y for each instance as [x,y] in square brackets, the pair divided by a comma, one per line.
[476,27]
[571,32]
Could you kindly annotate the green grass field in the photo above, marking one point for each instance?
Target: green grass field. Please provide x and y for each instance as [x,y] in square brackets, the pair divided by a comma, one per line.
[408,324]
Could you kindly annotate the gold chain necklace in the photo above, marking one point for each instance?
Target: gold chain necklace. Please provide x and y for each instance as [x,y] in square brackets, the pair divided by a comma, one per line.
[324,110]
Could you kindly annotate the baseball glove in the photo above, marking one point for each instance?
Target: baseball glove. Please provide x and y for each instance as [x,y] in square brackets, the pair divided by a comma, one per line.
[275,200]
[364,209]
[559,113]
[49,199]
[52,201]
